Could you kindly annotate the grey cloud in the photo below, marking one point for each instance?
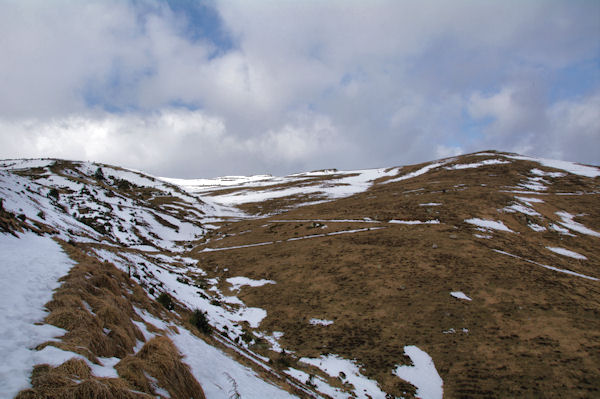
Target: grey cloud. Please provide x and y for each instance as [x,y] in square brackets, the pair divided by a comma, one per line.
[351,84]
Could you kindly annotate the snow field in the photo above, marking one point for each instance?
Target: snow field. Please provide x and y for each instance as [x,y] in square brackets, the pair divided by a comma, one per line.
[333,365]
[214,370]
[341,184]
[571,167]
[31,266]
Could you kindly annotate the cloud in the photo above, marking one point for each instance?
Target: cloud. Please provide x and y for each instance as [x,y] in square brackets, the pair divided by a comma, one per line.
[520,122]
[200,143]
[387,83]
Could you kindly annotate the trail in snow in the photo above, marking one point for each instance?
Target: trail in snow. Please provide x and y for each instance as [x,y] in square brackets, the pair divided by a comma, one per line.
[556,269]
[292,239]
[30,266]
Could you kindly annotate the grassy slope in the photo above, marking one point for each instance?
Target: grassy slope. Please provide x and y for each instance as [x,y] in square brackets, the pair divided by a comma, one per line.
[531,330]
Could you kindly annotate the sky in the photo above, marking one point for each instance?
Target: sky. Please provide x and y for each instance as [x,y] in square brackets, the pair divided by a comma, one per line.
[207,88]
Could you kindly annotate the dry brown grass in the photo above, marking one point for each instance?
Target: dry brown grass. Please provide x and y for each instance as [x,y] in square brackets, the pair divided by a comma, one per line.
[9,222]
[73,380]
[95,305]
[160,359]
[531,331]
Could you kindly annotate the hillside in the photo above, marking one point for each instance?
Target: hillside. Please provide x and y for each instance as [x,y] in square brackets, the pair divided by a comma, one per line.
[473,276]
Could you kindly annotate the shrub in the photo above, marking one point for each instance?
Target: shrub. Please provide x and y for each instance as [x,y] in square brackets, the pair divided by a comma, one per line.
[165,300]
[284,360]
[99,175]
[199,320]
[247,336]
[53,193]
[123,184]
[41,215]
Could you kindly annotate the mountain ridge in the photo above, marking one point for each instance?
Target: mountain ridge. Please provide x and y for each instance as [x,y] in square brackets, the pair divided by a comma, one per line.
[365,266]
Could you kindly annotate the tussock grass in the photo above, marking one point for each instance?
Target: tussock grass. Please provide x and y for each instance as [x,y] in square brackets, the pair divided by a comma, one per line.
[160,359]
[95,305]
[73,380]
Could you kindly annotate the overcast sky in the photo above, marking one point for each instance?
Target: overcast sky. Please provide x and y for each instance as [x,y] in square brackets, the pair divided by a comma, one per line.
[211,88]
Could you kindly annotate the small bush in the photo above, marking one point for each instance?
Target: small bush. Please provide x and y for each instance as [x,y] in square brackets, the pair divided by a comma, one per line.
[53,193]
[247,336]
[41,215]
[99,175]
[165,300]
[284,360]
[199,320]
[123,184]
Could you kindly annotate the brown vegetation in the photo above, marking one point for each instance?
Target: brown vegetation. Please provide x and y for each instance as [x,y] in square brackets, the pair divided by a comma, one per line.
[95,305]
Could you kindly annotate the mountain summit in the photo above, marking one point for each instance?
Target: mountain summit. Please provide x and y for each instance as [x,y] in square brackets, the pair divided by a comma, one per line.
[472,276]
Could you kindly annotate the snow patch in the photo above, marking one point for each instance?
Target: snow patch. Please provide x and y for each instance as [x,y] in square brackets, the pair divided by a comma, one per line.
[237,282]
[561,230]
[460,295]
[571,167]
[489,224]
[416,173]
[423,375]
[536,227]
[521,209]
[556,269]
[414,221]
[539,172]
[214,370]
[333,365]
[320,322]
[566,252]
[568,222]
[477,164]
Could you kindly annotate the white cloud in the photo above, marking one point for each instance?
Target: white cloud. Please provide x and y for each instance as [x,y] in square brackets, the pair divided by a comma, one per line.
[442,151]
[390,81]
[309,137]
[575,132]
[567,129]
[131,140]
[174,142]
